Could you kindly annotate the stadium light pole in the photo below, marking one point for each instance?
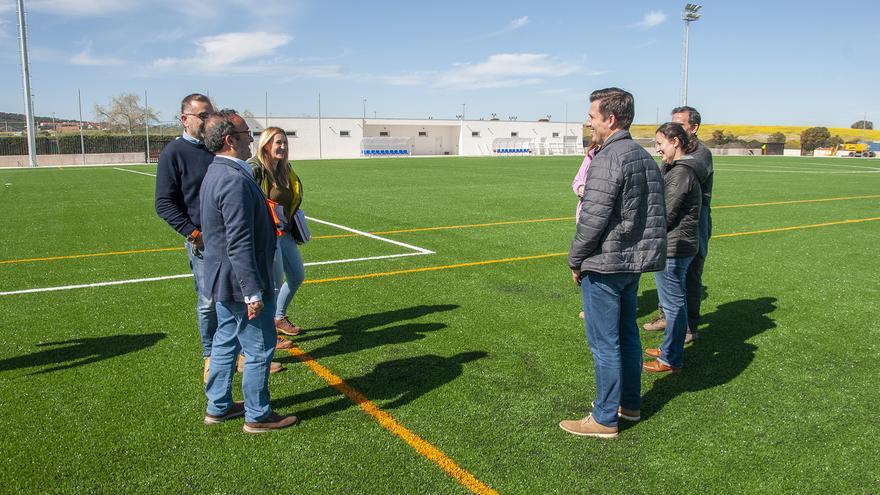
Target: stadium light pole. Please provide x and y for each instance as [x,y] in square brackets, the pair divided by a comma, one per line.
[689,15]
[26,78]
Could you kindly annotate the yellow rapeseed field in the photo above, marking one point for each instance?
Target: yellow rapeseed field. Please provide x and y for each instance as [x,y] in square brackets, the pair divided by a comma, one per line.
[760,132]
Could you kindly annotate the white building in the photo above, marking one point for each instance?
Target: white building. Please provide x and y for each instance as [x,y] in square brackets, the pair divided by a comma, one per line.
[312,138]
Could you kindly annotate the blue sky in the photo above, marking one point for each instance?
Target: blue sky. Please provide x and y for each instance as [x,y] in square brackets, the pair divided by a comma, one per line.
[784,62]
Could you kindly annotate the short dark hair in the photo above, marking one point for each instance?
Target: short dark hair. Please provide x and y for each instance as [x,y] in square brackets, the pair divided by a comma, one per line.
[673,130]
[693,115]
[188,99]
[617,102]
[218,125]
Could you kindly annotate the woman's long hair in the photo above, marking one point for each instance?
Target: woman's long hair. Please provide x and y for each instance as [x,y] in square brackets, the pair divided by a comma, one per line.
[672,130]
[278,174]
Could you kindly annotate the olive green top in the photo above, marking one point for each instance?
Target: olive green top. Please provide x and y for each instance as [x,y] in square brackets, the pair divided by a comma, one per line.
[289,196]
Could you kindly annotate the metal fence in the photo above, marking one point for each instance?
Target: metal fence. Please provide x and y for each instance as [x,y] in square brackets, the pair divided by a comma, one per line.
[66,141]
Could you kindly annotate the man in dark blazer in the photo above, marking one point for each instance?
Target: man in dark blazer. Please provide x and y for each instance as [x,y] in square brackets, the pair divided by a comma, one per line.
[239,238]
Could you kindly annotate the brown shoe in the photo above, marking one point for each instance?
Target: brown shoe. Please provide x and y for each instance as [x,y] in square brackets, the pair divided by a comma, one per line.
[274,366]
[236,410]
[653,352]
[657,324]
[581,315]
[206,369]
[283,344]
[627,414]
[691,337]
[587,427]
[273,421]
[657,366]
[285,327]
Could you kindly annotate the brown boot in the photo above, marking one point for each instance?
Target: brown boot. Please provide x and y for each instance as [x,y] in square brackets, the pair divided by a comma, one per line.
[285,327]
[206,369]
[283,344]
[587,427]
[657,324]
[274,366]
[272,422]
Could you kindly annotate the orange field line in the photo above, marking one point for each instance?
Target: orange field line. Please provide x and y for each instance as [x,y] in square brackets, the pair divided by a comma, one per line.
[872,196]
[91,255]
[554,255]
[391,424]
[424,229]
[431,268]
[797,227]
[450,227]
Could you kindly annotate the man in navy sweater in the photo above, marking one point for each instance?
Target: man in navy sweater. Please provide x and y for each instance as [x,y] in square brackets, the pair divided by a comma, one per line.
[182,167]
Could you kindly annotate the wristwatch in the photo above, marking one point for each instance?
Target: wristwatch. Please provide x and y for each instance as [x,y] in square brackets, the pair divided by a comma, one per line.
[194,236]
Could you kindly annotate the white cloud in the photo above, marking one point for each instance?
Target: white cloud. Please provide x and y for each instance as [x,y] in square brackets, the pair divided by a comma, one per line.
[82,7]
[517,23]
[506,70]
[511,26]
[651,19]
[229,52]
[86,58]
[248,53]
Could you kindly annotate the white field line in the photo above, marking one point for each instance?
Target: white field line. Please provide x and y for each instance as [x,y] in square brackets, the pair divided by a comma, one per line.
[722,162]
[797,171]
[188,275]
[373,236]
[134,171]
[417,252]
[99,284]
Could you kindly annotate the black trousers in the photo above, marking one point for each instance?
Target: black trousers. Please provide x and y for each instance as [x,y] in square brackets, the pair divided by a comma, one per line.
[694,290]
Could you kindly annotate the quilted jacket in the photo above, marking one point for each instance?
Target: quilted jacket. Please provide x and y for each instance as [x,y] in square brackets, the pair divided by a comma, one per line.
[622,226]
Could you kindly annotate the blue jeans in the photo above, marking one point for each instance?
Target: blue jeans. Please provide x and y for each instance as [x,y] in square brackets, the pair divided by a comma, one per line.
[671,292]
[256,340]
[289,263]
[206,314]
[610,319]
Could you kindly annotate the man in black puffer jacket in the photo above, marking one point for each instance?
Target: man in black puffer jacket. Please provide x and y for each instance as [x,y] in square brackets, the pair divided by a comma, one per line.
[620,235]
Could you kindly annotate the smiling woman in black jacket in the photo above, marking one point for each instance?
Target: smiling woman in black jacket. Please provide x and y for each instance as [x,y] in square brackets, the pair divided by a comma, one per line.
[683,200]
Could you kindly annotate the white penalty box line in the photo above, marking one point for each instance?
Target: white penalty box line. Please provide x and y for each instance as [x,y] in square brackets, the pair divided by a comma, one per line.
[416,251]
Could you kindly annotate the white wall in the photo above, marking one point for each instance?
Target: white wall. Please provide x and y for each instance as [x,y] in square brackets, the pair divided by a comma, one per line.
[306,145]
[443,136]
[491,129]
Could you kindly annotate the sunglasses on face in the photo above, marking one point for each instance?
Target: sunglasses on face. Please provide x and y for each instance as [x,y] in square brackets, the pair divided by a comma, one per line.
[200,115]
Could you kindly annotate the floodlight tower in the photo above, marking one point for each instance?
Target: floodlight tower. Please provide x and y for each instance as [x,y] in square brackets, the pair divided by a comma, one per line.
[689,15]
[26,78]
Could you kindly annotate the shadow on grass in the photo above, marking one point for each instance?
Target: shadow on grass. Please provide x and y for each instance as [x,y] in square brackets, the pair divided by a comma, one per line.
[649,303]
[79,352]
[390,384]
[357,334]
[721,354]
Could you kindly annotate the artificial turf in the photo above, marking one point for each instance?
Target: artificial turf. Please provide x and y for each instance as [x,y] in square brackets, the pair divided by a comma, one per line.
[100,387]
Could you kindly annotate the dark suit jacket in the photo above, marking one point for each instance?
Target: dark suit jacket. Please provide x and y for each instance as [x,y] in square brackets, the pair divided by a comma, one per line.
[239,234]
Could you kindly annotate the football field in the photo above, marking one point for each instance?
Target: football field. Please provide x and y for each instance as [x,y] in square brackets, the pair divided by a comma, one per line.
[442,344]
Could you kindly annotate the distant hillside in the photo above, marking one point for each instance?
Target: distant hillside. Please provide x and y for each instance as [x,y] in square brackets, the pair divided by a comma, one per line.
[18,117]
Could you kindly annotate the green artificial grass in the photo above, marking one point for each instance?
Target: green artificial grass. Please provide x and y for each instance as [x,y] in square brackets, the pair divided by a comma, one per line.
[100,387]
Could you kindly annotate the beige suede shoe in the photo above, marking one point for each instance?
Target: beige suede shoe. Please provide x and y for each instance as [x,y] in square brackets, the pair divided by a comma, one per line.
[587,427]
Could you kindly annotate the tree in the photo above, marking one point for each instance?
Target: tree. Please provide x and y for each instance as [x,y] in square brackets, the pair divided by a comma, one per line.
[776,137]
[814,137]
[125,112]
[862,124]
[719,138]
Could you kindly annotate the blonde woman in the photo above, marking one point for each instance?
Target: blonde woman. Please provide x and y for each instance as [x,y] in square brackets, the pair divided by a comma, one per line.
[281,185]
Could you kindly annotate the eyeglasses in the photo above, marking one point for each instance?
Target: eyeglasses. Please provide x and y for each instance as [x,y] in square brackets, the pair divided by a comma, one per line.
[200,115]
[246,131]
